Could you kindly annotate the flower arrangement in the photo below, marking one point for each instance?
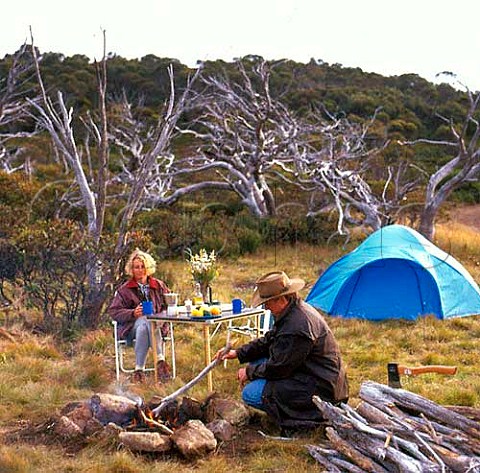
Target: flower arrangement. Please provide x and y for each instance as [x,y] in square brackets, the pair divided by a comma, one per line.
[203,266]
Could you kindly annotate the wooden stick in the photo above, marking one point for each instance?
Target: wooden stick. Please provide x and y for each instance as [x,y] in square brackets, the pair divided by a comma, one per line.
[153,423]
[274,437]
[192,382]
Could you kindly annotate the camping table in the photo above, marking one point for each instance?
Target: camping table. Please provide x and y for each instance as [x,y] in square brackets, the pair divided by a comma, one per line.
[205,323]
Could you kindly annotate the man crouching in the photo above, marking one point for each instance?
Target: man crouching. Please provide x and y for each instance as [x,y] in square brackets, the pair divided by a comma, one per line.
[297,359]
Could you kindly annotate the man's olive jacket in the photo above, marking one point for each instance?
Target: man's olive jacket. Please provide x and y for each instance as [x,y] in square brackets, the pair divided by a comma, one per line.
[302,359]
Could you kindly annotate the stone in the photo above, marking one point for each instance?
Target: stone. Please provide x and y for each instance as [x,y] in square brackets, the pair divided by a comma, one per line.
[112,408]
[190,408]
[66,428]
[145,441]
[92,427]
[81,414]
[193,439]
[233,411]
[109,433]
[223,430]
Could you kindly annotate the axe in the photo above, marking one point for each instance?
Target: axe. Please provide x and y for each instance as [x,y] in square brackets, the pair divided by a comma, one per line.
[395,370]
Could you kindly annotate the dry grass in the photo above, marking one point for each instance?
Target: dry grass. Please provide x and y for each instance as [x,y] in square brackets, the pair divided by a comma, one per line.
[37,377]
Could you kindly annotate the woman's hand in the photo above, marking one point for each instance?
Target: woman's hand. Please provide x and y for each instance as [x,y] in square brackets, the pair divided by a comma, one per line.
[230,355]
[138,311]
[242,376]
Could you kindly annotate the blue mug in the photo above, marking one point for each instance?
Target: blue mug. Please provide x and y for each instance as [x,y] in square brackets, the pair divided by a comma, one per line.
[237,306]
[147,307]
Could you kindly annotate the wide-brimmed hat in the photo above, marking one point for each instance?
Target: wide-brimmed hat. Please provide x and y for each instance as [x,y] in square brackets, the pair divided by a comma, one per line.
[273,285]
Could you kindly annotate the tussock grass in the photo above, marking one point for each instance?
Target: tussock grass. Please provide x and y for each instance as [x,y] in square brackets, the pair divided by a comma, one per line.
[38,376]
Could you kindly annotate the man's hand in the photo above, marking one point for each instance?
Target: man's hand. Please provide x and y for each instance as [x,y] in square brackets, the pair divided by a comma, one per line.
[230,355]
[242,376]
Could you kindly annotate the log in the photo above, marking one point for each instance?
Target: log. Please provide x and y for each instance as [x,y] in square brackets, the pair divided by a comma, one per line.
[463,436]
[334,414]
[470,412]
[402,430]
[458,463]
[371,442]
[429,430]
[407,400]
[346,466]
[320,457]
[352,453]
[374,415]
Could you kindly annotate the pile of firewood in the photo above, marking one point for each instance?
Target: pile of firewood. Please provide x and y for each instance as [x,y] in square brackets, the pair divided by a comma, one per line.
[396,430]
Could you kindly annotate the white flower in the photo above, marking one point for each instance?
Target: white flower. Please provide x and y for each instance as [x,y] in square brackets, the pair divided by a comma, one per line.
[203,265]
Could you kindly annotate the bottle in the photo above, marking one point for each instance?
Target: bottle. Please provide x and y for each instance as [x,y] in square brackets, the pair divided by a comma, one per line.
[197,295]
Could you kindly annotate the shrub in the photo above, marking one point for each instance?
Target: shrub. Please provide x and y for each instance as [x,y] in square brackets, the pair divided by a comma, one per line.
[249,240]
[54,270]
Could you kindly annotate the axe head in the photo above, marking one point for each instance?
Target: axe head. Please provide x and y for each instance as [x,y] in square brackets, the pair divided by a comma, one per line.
[393,376]
[395,370]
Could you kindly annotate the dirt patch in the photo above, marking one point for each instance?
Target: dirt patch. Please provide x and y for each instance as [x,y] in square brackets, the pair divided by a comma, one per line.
[467,215]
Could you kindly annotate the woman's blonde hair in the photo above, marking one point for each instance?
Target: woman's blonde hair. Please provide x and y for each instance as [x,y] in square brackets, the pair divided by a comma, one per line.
[148,262]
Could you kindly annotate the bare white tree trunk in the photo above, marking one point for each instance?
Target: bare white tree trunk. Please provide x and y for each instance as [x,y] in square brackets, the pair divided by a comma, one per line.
[56,119]
[150,152]
[14,109]
[246,137]
[462,168]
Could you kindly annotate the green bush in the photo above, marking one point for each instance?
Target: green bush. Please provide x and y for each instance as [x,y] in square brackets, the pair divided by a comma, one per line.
[53,270]
[249,240]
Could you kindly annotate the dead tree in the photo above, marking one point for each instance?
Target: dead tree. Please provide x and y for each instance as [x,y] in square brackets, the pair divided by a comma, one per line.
[14,110]
[463,167]
[336,169]
[246,139]
[147,159]
[93,184]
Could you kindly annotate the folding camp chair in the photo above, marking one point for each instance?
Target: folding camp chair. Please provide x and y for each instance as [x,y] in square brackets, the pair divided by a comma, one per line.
[121,345]
[265,323]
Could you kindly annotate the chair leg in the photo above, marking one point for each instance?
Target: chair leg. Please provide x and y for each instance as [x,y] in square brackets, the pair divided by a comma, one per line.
[117,354]
[120,359]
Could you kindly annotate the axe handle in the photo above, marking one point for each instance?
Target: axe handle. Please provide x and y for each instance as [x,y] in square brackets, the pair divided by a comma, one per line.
[426,369]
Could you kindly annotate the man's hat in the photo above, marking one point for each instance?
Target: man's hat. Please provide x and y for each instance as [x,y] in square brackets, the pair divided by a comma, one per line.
[273,285]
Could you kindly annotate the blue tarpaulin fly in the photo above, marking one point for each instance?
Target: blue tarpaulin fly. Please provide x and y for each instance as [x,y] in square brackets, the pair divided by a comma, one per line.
[396,273]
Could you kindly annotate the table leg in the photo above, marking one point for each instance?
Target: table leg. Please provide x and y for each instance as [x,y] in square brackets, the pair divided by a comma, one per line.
[154,350]
[208,355]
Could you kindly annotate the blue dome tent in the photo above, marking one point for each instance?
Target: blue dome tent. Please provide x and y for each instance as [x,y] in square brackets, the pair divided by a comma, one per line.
[396,273]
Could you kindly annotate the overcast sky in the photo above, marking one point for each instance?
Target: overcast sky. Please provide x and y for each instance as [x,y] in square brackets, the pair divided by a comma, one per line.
[389,37]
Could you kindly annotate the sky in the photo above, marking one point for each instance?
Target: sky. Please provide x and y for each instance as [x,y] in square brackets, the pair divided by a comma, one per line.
[423,37]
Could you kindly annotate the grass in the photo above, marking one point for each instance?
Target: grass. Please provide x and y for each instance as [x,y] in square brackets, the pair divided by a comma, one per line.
[38,376]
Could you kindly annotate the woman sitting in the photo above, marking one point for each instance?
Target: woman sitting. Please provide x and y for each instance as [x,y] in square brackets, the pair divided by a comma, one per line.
[126,309]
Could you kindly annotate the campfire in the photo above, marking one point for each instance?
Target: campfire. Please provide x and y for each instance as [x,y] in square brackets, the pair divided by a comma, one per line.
[191,427]
[143,420]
